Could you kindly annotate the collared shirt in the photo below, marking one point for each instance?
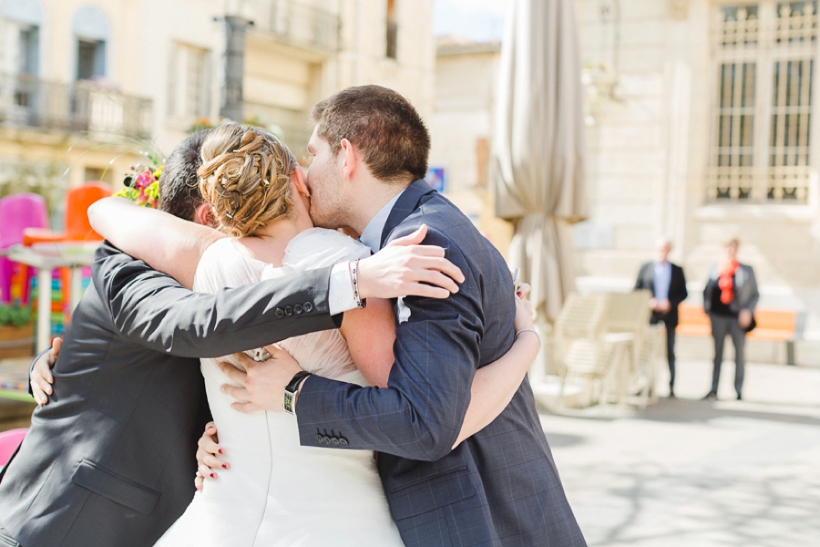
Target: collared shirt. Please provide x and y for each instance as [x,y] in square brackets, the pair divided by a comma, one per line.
[340,293]
[663,278]
[372,233]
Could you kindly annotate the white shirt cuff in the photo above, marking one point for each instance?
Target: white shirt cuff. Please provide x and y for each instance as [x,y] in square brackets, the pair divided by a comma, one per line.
[340,292]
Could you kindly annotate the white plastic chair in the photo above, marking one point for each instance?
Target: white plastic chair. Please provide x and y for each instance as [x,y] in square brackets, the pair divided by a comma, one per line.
[580,349]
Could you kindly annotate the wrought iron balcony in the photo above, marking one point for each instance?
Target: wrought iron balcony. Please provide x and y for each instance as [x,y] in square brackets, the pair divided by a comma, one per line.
[298,24]
[26,101]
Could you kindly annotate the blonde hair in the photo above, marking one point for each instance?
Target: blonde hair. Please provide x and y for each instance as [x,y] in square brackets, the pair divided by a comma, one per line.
[245,176]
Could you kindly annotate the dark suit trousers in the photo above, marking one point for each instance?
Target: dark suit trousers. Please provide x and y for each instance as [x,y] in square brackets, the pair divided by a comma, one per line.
[670,348]
[721,326]
[670,354]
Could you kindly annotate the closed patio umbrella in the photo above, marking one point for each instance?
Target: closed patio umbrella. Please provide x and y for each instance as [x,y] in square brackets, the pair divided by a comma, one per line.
[538,146]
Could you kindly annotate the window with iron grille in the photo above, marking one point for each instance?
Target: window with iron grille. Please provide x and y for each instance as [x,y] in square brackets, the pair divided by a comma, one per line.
[189,94]
[762,109]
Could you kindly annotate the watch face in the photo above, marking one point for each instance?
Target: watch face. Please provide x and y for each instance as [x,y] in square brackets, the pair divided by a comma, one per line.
[287,401]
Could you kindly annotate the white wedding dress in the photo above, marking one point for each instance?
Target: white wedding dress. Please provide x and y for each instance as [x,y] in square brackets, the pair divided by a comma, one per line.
[278,493]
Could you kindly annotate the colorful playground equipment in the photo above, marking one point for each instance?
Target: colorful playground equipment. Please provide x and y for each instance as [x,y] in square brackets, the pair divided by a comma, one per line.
[24,220]
[18,212]
[77,229]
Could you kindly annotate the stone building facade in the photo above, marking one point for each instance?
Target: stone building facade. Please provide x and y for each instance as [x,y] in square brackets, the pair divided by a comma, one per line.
[78,76]
[699,116]
[703,128]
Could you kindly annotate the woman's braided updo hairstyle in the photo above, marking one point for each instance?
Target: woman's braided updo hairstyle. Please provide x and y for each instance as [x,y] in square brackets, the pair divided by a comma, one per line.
[245,176]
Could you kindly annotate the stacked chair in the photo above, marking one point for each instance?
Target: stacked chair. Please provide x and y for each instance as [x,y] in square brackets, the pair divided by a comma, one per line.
[19,212]
[604,341]
[580,350]
[628,319]
[9,441]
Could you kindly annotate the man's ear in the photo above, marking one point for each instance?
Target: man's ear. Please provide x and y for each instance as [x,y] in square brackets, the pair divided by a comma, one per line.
[350,159]
[204,215]
[300,181]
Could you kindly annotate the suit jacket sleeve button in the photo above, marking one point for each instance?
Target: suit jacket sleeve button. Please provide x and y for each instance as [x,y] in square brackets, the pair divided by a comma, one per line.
[288,311]
[335,441]
[343,441]
[297,309]
[308,307]
[320,439]
[279,313]
[326,439]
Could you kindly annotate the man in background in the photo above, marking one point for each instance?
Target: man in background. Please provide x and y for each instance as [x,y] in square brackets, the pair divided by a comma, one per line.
[668,286]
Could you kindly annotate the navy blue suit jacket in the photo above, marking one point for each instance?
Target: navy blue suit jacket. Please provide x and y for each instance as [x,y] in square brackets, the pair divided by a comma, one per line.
[501,486]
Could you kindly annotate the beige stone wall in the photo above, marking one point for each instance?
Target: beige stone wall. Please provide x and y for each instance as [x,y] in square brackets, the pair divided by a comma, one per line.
[461,129]
[363,61]
[466,77]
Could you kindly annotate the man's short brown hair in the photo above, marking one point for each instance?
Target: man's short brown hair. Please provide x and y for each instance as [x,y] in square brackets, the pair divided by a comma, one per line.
[179,183]
[382,124]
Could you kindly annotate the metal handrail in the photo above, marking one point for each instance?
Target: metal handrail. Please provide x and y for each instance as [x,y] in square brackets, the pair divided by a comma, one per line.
[27,101]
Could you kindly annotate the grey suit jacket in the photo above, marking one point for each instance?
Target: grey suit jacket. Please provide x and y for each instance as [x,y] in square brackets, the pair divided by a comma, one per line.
[746,292]
[501,486]
[109,461]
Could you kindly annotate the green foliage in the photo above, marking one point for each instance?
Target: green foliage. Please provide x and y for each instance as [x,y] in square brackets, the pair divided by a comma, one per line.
[15,315]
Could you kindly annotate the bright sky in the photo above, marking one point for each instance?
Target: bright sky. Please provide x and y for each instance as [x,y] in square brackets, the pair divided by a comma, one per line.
[479,20]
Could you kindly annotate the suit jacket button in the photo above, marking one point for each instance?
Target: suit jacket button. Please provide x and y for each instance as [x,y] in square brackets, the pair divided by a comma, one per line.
[342,441]
[326,439]
[297,309]
[288,311]
[279,313]
[335,441]
[320,439]
[308,307]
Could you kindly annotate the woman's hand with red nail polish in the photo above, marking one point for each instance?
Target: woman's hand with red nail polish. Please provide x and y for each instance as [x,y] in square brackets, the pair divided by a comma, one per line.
[206,455]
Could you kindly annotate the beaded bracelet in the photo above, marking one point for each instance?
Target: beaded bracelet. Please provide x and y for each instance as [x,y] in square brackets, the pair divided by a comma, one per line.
[353,268]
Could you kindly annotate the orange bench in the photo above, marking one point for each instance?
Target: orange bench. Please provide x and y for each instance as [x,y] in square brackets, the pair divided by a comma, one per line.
[772,325]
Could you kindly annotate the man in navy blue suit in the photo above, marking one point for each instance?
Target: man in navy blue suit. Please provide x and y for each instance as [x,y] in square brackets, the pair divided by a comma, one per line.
[109,460]
[499,487]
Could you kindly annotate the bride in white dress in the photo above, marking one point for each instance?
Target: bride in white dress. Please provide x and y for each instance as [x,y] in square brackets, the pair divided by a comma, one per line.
[277,492]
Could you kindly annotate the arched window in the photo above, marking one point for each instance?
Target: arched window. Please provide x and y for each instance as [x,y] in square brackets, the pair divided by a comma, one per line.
[23,18]
[90,32]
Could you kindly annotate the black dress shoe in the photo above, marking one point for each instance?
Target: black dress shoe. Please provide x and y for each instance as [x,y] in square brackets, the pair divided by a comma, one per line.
[711,396]
[739,397]
[671,393]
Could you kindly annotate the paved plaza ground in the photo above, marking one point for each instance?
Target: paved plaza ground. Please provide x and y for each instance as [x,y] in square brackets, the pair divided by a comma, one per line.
[693,473]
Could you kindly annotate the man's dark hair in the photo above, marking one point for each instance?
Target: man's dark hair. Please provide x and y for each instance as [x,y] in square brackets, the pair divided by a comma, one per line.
[179,183]
[382,124]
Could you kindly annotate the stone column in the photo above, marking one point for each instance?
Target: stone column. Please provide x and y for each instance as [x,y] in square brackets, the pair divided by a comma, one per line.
[232,96]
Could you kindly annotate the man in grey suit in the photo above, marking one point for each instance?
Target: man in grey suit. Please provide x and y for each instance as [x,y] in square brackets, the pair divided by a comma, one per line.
[109,461]
[730,297]
[498,487]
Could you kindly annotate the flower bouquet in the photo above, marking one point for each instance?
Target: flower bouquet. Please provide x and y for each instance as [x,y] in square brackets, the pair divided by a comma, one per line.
[142,185]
